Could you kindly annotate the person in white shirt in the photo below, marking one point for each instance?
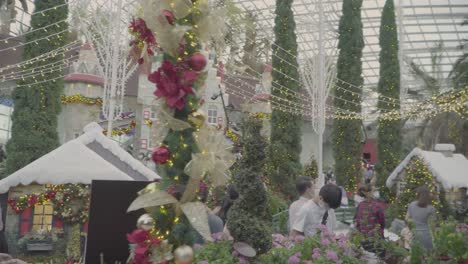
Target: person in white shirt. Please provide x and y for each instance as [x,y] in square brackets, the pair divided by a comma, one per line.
[315,212]
[305,188]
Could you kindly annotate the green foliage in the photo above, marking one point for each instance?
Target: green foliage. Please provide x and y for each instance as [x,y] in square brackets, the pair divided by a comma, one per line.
[37,105]
[311,169]
[389,138]
[417,252]
[451,239]
[347,132]
[284,162]
[277,211]
[74,243]
[247,219]
[215,253]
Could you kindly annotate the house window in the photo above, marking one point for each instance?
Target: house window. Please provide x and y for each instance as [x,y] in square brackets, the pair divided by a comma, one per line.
[42,218]
[213,115]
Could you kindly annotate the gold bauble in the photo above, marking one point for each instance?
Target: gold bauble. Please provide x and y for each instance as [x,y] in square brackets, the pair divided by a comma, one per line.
[183,255]
[145,222]
[197,118]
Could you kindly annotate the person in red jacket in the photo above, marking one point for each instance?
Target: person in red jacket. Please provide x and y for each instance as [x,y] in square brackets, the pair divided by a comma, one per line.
[370,221]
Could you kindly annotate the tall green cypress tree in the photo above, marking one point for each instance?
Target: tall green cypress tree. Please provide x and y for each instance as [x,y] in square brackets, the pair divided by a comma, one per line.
[285,148]
[389,139]
[347,132]
[37,100]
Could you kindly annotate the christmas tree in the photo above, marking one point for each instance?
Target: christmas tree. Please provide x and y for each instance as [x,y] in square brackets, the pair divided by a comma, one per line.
[37,97]
[348,90]
[284,161]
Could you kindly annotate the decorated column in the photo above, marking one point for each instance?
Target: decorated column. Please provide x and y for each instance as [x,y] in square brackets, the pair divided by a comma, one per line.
[191,154]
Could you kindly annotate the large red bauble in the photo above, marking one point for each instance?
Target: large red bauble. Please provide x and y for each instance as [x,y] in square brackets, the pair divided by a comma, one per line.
[198,62]
[161,155]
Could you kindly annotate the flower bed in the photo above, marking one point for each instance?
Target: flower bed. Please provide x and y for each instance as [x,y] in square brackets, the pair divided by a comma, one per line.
[323,248]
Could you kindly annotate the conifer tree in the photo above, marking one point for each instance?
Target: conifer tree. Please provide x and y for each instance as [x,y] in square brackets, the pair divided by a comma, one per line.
[389,139]
[348,92]
[284,154]
[247,217]
[37,97]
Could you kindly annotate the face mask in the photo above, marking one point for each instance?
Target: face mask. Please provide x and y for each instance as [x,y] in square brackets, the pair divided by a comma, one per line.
[324,205]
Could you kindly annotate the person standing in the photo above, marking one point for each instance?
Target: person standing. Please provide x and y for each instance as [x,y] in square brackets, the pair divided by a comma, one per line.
[315,212]
[370,221]
[419,213]
[305,188]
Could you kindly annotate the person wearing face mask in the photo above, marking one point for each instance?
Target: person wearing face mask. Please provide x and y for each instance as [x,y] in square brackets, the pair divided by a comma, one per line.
[315,211]
[305,188]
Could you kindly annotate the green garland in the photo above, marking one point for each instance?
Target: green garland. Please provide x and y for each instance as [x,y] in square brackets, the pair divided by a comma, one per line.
[62,197]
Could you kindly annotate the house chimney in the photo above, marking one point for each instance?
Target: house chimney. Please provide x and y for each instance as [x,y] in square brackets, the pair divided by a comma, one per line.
[446,149]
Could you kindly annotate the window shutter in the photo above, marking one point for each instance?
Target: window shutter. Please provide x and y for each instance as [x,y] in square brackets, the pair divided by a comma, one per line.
[57,223]
[25,221]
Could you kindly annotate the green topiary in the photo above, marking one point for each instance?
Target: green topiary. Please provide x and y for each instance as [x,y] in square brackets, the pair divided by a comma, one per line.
[285,149]
[247,217]
[348,95]
[389,138]
[37,101]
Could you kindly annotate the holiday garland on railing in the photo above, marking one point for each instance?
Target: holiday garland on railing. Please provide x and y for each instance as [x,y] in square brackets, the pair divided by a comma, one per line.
[69,99]
[62,197]
[122,131]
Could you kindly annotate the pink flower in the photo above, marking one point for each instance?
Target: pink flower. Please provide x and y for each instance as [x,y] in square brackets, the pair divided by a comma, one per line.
[316,253]
[325,242]
[203,262]
[299,238]
[243,260]
[295,259]
[196,246]
[331,255]
[217,236]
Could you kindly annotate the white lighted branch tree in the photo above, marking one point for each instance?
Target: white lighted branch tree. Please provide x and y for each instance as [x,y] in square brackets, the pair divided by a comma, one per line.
[106,26]
[318,72]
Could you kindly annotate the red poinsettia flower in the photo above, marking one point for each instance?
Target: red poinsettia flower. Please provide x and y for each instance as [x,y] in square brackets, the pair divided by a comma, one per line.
[138,236]
[139,27]
[173,85]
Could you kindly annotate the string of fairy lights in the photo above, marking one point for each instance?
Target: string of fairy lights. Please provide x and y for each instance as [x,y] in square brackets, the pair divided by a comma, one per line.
[337,80]
[277,102]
